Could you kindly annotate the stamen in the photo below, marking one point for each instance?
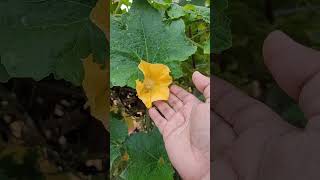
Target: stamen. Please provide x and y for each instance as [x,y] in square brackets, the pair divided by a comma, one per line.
[148,84]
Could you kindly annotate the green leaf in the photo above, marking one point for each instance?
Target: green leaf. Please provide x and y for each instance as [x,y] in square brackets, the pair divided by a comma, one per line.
[115,153]
[175,11]
[141,34]
[48,37]
[198,12]
[222,38]
[124,174]
[118,129]
[147,157]
[4,76]
[206,47]
[160,4]
[177,73]
[295,115]
[70,68]
[118,134]
[195,2]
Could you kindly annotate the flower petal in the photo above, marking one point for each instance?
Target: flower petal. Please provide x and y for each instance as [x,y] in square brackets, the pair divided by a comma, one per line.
[145,68]
[159,71]
[160,93]
[155,85]
[144,95]
[165,80]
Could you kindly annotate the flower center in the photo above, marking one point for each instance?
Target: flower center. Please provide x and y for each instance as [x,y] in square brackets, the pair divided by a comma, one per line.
[148,84]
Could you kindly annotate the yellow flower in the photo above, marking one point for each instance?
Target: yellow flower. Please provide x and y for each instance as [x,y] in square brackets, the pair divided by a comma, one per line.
[155,85]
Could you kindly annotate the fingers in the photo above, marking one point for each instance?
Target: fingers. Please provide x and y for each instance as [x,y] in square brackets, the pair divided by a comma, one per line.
[182,94]
[175,102]
[165,109]
[296,69]
[157,119]
[239,110]
[202,83]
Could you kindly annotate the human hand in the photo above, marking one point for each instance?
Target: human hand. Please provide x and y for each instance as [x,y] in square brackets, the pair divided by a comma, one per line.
[185,127]
[250,141]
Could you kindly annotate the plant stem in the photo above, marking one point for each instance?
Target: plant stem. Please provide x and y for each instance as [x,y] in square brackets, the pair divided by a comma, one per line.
[195,43]
[192,57]
[117,8]
[199,34]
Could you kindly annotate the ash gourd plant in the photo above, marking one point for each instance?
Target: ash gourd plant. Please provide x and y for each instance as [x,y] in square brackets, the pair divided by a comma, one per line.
[152,45]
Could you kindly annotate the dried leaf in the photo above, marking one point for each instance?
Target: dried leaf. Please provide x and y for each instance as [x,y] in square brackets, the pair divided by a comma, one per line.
[100,16]
[95,83]
[95,86]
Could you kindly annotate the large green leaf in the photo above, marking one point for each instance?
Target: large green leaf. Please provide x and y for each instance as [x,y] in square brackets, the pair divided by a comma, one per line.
[4,76]
[198,12]
[193,12]
[176,11]
[222,38]
[141,34]
[195,2]
[147,157]
[118,134]
[160,4]
[118,129]
[42,37]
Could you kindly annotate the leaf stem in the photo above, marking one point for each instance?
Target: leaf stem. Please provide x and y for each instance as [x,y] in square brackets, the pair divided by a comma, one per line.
[190,36]
[195,43]
[199,34]
[117,8]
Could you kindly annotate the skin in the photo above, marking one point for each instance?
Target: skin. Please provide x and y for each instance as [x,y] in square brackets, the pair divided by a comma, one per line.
[252,142]
[185,127]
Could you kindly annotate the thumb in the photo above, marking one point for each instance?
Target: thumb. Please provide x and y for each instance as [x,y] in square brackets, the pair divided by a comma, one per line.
[202,83]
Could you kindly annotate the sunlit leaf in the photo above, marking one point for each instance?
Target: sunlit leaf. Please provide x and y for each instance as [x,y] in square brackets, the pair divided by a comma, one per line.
[141,34]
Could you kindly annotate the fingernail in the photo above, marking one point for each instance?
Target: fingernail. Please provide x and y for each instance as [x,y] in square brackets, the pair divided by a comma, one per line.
[196,73]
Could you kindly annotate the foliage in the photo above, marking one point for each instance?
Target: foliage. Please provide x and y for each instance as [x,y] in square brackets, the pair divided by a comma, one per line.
[141,34]
[51,38]
[176,34]
[47,42]
[144,153]
[221,27]
[61,45]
